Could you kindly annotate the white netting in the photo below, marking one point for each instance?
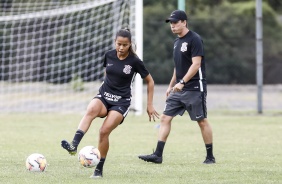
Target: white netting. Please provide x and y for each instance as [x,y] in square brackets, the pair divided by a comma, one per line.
[51,51]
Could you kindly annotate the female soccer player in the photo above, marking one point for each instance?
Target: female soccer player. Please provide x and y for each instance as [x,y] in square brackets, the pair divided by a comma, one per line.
[114,96]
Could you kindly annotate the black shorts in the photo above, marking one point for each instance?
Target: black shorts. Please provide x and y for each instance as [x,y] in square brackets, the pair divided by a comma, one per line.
[192,101]
[121,108]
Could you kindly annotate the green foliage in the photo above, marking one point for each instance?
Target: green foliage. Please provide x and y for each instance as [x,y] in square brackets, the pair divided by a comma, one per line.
[228,29]
[247,148]
[276,5]
[77,83]
[158,42]
[271,38]
[163,3]
[225,40]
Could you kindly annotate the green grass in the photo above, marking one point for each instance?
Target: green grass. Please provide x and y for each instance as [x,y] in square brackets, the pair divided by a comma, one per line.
[247,147]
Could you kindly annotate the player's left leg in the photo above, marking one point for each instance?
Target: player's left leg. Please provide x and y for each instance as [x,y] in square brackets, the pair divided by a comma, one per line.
[96,108]
[112,120]
[206,131]
[196,106]
[173,107]
[165,127]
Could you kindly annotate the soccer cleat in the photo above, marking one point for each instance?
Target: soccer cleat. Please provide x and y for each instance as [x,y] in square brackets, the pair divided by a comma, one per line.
[151,158]
[97,174]
[209,160]
[69,147]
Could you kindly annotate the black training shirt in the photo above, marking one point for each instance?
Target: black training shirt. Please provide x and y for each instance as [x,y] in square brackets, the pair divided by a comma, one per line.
[185,48]
[120,75]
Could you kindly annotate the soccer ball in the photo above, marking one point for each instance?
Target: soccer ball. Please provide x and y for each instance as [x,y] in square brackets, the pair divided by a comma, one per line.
[89,156]
[36,162]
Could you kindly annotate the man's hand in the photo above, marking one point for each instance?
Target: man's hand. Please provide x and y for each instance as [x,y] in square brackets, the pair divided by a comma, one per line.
[177,87]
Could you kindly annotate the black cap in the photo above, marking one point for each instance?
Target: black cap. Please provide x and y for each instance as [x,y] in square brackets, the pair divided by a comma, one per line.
[176,16]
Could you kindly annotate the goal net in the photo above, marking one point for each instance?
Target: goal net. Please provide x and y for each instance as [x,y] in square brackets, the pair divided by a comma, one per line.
[51,51]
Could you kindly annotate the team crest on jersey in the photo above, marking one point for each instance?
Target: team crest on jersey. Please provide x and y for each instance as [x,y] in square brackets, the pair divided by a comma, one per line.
[184,47]
[127,69]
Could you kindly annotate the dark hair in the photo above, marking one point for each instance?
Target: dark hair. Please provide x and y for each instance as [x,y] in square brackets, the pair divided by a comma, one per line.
[126,34]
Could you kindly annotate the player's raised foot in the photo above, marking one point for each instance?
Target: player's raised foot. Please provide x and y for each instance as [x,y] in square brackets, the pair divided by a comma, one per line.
[151,158]
[97,174]
[209,160]
[69,147]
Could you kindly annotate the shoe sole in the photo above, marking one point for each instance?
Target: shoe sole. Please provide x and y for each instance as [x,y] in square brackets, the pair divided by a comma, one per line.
[147,160]
[209,163]
[95,177]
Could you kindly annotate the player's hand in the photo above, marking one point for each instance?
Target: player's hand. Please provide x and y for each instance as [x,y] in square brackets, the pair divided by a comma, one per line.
[169,89]
[177,87]
[152,113]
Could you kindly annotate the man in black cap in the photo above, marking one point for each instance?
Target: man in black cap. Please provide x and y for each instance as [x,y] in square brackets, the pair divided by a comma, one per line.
[187,90]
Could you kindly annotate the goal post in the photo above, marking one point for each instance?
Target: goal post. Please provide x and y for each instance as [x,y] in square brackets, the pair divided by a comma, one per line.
[51,51]
[139,51]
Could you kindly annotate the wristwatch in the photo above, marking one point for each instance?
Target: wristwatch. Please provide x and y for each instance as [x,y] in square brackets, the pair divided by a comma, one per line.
[182,82]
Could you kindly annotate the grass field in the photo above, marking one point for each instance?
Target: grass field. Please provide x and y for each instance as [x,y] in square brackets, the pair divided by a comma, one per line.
[248,149]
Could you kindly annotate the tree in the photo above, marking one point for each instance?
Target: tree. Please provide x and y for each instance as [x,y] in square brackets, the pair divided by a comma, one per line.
[228,31]
[158,41]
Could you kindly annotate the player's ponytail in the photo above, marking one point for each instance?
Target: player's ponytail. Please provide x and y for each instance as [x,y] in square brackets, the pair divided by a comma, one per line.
[127,34]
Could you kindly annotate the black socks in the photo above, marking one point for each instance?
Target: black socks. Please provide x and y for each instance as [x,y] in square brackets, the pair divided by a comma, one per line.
[159,149]
[209,150]
[77,137]
[100,164]
[161,144]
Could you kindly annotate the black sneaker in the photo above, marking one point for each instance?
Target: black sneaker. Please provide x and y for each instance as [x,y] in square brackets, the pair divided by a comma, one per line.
[151,158]
[97,174]
[209,161]
[69,147]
